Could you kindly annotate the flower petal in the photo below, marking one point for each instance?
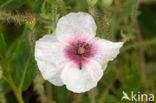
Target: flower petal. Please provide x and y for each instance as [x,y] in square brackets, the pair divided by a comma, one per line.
[75,26]
[105,50]
[81,80]
[49,56]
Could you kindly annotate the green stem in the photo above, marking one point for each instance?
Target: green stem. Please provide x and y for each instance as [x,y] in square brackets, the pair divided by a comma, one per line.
[49,92]
[6,3]
[138,44]
[92,95]
[17,92]
[104,94]
[24,74]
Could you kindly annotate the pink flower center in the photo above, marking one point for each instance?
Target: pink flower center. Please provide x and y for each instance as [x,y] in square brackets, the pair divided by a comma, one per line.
[79,52]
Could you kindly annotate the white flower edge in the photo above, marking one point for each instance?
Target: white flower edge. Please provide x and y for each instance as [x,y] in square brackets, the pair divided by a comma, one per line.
[81,80]
[47,55]
[80,24]
[105,50]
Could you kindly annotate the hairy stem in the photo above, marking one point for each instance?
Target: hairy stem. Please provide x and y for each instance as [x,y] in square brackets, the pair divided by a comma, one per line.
[20,18]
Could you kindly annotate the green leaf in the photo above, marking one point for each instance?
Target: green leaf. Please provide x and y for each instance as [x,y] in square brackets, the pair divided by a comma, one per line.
[5,87]
[3,45]
[37,8]
[12,4]
[112,99]
[20,58]
[22,63]
[59,4]
[147,22]
[61,94]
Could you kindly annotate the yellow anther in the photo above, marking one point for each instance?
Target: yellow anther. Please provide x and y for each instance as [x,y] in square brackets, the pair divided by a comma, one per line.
[81,50]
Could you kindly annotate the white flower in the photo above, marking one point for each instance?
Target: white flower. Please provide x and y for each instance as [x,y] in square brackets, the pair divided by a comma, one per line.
[72,55]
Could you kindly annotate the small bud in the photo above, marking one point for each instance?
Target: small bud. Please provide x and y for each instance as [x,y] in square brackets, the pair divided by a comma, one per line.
[107,3]
[30,19]
[92,2]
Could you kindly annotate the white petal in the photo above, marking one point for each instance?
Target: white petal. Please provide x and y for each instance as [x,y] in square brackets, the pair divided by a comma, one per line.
[105,50]
[50,59]
[82,80]
[76,26]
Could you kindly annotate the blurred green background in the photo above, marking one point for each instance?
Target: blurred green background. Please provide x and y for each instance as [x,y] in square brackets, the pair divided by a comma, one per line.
[22,22]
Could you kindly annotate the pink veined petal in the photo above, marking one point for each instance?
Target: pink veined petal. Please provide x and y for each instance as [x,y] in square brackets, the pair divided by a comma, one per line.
[105,50]
[81,80]
[50,59]
[75,26]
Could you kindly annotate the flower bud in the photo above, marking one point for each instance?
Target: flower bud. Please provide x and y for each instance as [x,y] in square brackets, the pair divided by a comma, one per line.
[107,3]
[92,2]
[30,19]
